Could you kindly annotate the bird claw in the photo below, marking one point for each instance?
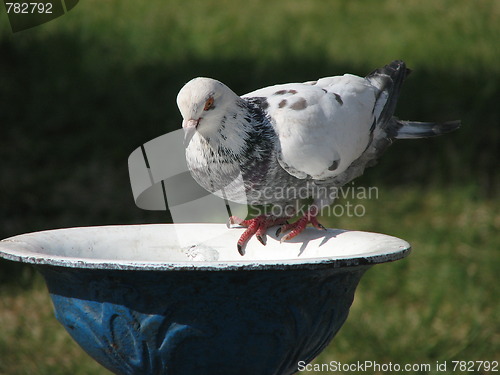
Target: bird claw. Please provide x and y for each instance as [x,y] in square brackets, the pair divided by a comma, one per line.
[261,239]
[260,224]
[299,226]
[240,249]
[256,226]
[234,222]
[285,238]
[278,231]
[319,226]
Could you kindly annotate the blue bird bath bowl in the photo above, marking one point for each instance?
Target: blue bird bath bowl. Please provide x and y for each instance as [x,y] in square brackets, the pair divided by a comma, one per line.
[179,299]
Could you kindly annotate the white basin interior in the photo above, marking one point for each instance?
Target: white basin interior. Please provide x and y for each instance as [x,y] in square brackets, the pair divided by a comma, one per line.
[181,246]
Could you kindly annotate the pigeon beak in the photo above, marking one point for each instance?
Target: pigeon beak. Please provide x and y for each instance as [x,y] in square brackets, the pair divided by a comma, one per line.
[189,127]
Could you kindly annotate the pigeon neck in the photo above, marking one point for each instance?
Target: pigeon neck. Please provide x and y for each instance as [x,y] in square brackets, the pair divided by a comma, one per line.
[236,127]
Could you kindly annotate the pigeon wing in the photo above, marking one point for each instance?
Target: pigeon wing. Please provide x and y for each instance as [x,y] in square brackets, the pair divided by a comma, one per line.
[323,126]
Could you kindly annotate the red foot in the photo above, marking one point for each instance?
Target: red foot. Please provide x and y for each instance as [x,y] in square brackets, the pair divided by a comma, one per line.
[297,227]
[257,226]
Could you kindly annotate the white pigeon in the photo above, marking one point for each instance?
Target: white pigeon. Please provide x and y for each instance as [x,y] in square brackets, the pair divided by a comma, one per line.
[270,146]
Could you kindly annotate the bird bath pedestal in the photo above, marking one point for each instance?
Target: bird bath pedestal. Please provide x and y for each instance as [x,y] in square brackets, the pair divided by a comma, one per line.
[179,299]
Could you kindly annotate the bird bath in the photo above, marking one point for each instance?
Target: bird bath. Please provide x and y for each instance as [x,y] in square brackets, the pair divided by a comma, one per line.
[179,299]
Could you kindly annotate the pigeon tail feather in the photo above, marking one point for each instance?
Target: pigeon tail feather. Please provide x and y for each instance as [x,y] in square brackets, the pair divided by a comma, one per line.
[389,80]
[415,129]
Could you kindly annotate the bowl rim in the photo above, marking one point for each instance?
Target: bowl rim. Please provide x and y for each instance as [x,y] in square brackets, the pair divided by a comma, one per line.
[10,250]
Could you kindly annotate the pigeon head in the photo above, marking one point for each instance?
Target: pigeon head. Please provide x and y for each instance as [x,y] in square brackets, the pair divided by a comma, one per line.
[203,103]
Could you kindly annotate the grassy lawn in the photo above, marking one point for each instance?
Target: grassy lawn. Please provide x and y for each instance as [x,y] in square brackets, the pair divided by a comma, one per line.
[80,93]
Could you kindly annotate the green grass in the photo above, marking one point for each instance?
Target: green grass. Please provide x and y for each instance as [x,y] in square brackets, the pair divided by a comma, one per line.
[80,93]
[432,34]
[32,341]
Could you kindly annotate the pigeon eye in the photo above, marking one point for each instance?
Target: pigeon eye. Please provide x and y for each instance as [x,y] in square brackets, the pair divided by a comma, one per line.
[209,104]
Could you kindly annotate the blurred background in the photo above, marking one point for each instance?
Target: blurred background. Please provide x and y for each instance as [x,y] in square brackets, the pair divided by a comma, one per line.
[80,93]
